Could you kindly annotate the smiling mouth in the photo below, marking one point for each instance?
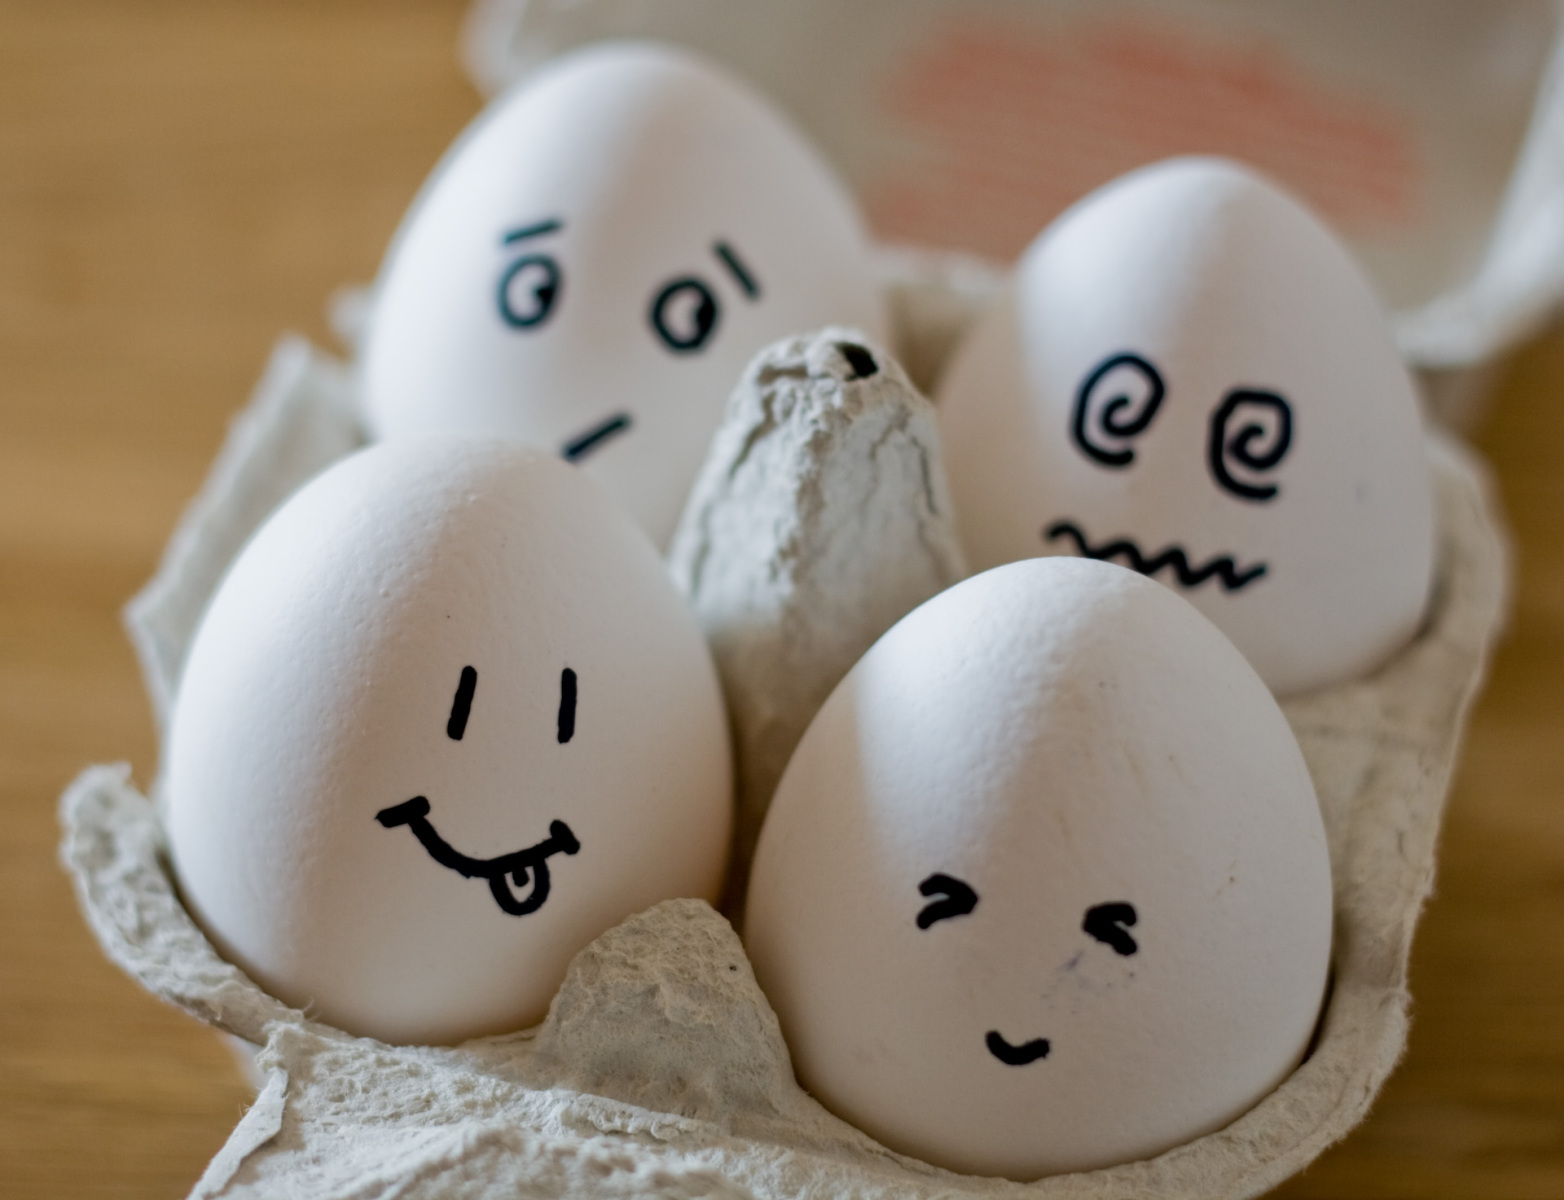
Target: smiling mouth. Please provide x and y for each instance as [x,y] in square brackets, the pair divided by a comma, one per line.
[513,869]
[1016,1056]
[584,443]
[1227,572]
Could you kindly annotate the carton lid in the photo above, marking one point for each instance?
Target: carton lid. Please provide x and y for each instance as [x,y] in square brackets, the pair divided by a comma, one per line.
[1429,133]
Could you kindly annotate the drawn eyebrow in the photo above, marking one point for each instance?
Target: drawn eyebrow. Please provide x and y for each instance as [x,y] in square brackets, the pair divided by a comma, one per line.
[730,259]
[567,705]
[552,225]
[461,706]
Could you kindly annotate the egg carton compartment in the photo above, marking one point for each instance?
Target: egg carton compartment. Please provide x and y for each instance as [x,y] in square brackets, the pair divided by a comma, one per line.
[660,1068]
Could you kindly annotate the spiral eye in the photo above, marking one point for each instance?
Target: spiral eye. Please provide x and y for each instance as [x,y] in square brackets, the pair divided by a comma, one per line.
[1251,432]
[1115,404]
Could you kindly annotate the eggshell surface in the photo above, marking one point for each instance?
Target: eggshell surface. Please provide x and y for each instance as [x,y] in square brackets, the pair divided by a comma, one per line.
[445,721]
[1190,377]
[1045,886]
[598,257]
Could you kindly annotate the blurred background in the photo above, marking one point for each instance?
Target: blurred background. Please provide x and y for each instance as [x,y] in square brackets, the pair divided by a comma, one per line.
[182,182]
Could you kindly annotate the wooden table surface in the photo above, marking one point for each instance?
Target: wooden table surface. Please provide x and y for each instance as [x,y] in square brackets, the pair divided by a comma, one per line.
[179,183]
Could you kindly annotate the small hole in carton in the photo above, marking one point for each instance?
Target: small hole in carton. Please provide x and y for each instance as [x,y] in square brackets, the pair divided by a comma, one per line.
[859,359]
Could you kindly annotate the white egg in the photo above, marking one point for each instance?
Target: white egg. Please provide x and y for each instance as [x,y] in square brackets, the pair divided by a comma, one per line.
[596,260]
[445,721]
[1190,377]
[1045,885]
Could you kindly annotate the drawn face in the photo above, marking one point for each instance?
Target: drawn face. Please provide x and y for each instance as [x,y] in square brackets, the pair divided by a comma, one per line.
[1250,434]
[526,868]
[446,722]
[1044,886]
[1190,378]
[598,259]
[1107,923]
[682,315]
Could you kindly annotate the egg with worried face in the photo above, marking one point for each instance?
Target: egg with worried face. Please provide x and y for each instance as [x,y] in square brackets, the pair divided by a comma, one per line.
[597,259]
[1045,886]
[1191,378]
[444,722]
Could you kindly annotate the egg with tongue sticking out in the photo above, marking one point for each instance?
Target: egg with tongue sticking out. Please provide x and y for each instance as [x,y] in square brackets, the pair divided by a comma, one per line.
[444,722]
[1190,377]
[596,260]
[1045,885]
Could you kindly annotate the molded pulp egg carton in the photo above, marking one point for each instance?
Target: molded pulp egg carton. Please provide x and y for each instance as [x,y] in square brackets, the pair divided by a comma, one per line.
[660,1069]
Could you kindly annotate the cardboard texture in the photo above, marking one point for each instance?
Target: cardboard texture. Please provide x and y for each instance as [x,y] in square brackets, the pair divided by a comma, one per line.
[660,1068]
[819,519]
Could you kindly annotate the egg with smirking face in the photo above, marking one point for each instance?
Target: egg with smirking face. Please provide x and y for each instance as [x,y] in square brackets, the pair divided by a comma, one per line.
[1191,378]
[1045,885]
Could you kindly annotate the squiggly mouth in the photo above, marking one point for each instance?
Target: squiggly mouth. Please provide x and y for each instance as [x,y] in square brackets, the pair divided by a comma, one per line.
[515,868]
[1016,1056]
[1226,570]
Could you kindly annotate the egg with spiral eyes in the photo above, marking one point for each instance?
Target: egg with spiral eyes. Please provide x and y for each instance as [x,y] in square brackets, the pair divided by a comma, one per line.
[1190,377]
[444,722]
[597,259]
[1045,886]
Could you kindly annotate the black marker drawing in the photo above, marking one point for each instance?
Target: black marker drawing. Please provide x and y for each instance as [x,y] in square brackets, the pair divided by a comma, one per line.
[1106,923]
[684,314]
[1224,568]
[567,705]
[741,274]
[958,899]
[532,231]
[583,444]
[859,359]
[530,286]
[1016,1056]
[461,705]
[1224,452]
[517,867]
[1122,382]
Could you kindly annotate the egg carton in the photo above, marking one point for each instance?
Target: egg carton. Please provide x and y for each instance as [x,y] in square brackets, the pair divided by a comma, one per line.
[660,1068]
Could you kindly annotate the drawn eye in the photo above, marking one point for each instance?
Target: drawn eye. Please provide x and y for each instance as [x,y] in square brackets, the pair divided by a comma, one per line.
[1115,404]
[461,704]
[529,288]
[566,724]
[956,899]
[528,291]
[1260,440]
[1106,923]
[684,314]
